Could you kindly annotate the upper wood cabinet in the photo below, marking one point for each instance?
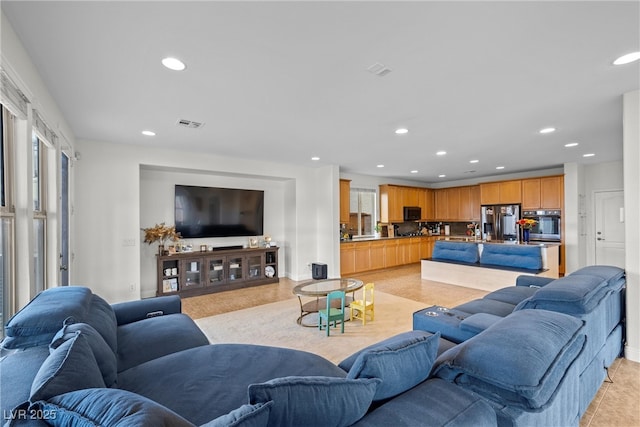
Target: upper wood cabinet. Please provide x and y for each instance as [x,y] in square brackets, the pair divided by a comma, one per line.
[501,192]
[457,203]
[543,193]
[345,201]
[425,201]
[393,198]
[390,203]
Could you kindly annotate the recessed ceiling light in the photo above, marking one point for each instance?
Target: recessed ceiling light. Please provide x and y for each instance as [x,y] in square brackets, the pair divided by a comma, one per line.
[547,130]
[315,158]
[474,161]
[173,64]
[588,155]
[571,144]
[442,175]
[441,153]
[402,131]
[414,171]
[627,59]
[148,133]
[499,167]
[380,166]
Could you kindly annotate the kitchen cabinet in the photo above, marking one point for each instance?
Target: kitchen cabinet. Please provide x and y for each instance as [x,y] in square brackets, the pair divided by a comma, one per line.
[393,199]
[501,192]
[414,250]
[362,256]
[441,197]
[390,204]
[391,253]
[457,203]
[345,200]
[347,259]
[543,193]
[426,203]
[358,257]
[552,192]
[376,252]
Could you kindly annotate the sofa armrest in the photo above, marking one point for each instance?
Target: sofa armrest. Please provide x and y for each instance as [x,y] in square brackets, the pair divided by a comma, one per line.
[133,311]
[478,322]
[533,281]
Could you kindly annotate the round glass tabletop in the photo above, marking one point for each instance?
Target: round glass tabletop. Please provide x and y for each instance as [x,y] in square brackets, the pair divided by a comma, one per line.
[323,287]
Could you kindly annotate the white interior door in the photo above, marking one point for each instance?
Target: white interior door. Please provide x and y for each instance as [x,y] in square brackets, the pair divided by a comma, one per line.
[609,236]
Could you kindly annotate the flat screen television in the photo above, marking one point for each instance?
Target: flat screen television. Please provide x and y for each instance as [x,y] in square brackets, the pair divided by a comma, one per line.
[218,212]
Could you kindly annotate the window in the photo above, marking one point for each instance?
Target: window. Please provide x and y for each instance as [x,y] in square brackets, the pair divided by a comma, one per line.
[363,218]
[6,219]
[39,213]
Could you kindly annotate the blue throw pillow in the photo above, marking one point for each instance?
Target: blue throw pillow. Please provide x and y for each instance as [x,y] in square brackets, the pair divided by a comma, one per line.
[245,416]
[315,401]
[69,367]
[107,407]
[105,357]
[401,362]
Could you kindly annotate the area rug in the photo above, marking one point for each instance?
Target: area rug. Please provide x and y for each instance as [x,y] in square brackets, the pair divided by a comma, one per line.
[275,324]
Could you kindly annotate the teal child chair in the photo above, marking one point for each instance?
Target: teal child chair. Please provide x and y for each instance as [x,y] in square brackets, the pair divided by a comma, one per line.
[332,314]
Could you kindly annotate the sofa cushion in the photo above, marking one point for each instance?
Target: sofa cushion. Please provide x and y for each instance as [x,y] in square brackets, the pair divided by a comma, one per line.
[512,294]
[539,346]
[483,305]
[455,251]
[575,294]
[107,407]
[105,357]
[245,416]
[102,318]
[400,362]
[434,402]
[162,379]
[317,401]
[17,370]
[516,256]
[158,336]
[38,321]
[478,322]
[71,366]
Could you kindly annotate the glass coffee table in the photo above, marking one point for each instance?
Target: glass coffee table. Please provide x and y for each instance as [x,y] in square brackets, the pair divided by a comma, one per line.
[320,289]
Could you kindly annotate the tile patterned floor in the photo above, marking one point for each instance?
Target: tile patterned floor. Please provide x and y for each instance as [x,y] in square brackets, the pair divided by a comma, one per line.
[617,403]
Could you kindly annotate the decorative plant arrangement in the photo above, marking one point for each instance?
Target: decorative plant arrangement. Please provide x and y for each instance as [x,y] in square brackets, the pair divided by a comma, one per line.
[160,233]
[526,223]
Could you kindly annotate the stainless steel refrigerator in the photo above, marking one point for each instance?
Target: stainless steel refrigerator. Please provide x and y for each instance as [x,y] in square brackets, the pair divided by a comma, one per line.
[499,222]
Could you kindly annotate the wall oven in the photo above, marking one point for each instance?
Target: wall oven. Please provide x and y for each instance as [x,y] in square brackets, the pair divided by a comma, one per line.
[547,228]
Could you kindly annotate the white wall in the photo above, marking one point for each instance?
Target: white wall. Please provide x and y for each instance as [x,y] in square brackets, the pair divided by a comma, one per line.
[631,150]
[111,209]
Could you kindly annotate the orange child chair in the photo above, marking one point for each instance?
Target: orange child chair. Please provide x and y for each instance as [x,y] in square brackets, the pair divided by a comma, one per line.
[333,314]
[363,306]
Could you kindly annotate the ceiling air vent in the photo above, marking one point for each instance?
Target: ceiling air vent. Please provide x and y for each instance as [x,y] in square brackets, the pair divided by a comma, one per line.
[189,124]
[379,69]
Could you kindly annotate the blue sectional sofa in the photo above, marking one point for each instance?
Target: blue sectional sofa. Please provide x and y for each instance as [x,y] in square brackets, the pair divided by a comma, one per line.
[69,357]
[593,294]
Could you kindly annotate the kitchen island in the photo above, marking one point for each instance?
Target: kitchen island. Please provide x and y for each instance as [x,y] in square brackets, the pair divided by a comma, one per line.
[484,272]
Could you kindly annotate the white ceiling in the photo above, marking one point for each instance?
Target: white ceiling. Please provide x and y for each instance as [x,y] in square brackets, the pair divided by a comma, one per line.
[285,81]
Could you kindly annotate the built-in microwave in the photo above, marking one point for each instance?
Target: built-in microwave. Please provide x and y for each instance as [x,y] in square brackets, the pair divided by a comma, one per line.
[412,213]
[547,227]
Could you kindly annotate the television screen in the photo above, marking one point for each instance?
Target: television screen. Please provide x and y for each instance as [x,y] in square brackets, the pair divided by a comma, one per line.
[218,212]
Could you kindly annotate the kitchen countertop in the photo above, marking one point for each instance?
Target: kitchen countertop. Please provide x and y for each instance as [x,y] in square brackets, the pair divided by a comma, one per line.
[452,238]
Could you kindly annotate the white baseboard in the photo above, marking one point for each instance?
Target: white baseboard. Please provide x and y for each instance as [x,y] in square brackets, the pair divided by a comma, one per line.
[632,353]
